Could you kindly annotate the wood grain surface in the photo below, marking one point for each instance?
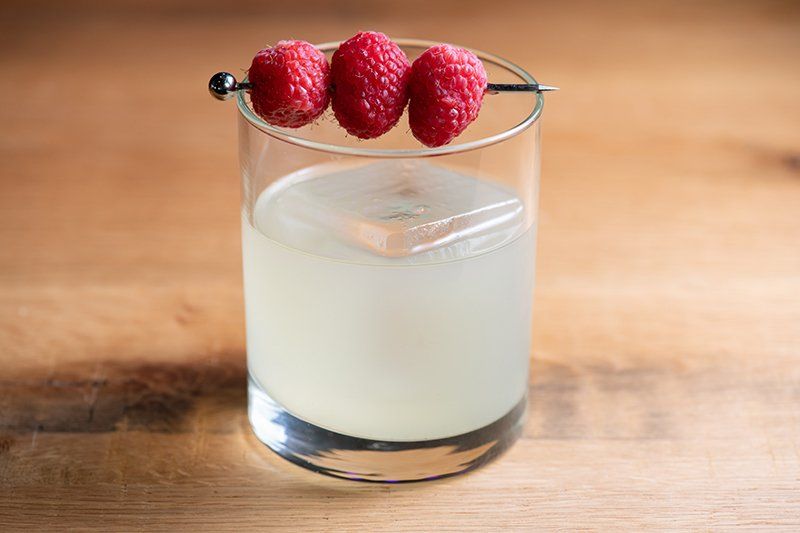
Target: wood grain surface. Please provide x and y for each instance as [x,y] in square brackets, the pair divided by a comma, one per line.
[665,386]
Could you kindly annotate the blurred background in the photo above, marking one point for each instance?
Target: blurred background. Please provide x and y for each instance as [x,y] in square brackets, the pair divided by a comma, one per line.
[671,160]
[668,273]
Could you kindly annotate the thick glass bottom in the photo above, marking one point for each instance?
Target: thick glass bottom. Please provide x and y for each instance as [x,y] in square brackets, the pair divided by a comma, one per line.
[344,456]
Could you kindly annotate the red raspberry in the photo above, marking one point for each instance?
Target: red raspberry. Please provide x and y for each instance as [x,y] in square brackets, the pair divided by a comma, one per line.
[290,83]
[446,88]
[370,75]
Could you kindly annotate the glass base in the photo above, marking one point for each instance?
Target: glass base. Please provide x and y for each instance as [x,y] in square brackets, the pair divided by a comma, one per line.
[335,454]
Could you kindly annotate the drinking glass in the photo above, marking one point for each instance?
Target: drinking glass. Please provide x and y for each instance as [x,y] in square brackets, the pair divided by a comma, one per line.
[388,288]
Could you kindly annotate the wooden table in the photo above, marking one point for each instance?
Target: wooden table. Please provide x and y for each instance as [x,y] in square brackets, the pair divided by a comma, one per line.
[665,385]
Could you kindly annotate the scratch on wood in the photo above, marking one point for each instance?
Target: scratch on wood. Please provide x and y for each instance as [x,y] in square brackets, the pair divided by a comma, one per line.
[186,314]
[33,437]
[95,389]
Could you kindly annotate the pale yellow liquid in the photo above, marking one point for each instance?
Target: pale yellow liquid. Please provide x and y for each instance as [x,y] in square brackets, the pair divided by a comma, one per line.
[403,349]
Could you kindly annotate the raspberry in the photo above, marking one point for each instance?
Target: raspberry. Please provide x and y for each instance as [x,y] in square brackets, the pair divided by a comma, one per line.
[446,88]
[369,75]
[289,83]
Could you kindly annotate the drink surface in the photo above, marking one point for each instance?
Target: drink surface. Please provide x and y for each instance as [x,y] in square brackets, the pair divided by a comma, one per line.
[389,301]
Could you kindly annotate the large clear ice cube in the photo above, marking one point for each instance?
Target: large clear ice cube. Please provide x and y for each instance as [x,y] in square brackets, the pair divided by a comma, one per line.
[402,208]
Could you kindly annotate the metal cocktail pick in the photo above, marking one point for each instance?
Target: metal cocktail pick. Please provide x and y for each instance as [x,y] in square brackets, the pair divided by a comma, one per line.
[223,85]
[494,88]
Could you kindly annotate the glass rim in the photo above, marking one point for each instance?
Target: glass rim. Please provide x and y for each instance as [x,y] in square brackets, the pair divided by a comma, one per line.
[299,140]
